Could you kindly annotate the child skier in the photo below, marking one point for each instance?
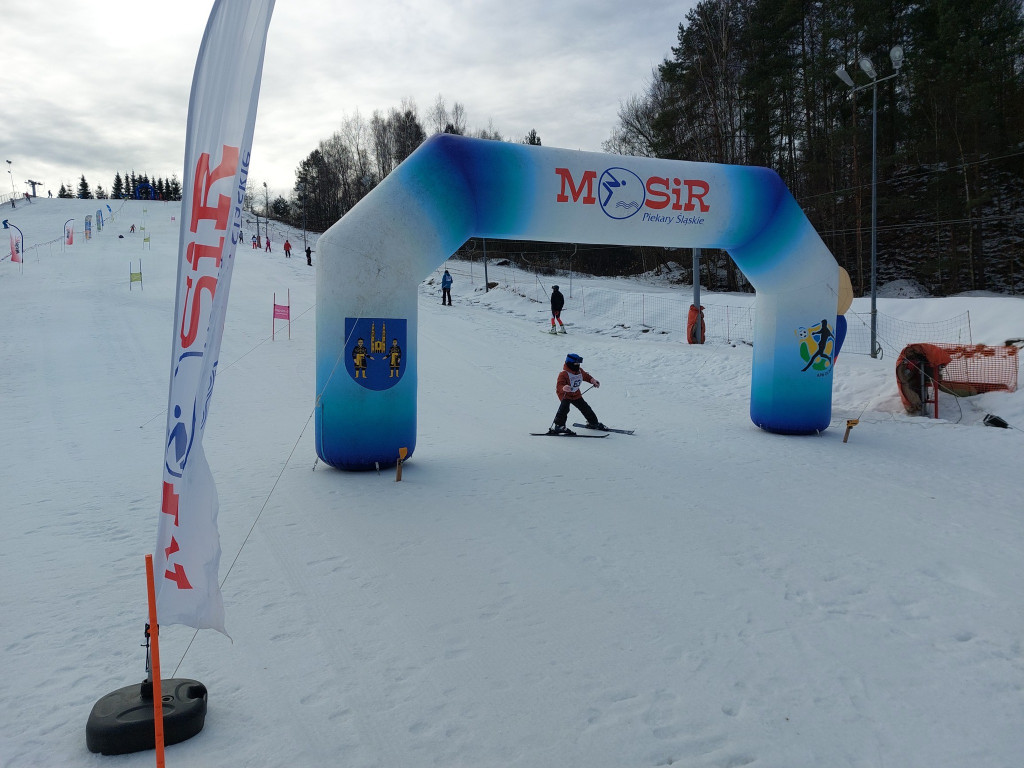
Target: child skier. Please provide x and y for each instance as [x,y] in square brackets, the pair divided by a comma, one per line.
[567,388]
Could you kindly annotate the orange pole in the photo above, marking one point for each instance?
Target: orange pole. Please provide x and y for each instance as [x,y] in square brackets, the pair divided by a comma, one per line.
[273,318]
[158,697]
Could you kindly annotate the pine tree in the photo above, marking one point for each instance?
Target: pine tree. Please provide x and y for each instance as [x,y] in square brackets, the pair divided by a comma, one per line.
[117,191]
[63,192]
[84,193]
[532,138]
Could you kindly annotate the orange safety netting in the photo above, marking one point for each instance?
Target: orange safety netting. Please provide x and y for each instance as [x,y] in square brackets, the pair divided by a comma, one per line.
[923,370]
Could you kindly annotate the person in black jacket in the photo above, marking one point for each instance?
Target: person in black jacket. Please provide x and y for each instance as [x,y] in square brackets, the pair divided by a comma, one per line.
[557,302]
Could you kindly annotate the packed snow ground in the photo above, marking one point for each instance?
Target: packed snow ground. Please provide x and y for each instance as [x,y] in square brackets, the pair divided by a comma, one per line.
[702,593]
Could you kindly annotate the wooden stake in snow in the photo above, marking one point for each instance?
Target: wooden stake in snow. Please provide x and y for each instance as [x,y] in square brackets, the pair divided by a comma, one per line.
[402,453]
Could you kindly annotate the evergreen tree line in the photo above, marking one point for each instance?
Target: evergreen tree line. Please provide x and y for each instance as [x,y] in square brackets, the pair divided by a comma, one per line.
[754,82]
[126,187]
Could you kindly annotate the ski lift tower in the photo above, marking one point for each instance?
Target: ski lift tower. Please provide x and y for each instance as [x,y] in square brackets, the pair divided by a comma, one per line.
[34,185]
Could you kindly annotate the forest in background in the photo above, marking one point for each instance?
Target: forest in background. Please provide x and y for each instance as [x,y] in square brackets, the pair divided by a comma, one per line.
[753,82]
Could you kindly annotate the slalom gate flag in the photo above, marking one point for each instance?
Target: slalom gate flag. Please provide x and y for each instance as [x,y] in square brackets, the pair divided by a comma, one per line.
[221,119]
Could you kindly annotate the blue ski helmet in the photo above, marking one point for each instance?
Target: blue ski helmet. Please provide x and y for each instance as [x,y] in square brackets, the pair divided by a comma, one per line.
[574,359]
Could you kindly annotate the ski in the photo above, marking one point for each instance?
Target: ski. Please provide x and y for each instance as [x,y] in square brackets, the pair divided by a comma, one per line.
[606,429]
[561,434]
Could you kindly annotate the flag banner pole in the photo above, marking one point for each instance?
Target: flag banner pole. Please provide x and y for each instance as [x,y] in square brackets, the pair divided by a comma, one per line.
[158,696]
[186,559]
[221,121]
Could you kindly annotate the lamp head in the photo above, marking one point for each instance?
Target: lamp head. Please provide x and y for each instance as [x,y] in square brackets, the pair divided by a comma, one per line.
[843,75]
[896,55]
[868,67]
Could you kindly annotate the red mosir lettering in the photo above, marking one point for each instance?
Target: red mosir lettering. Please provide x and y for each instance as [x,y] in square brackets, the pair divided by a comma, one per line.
[692,185]
[567,180]
[169,502]
[178,576]
[197,251]
[168,551]
[657,189]
[205,283]
[204,181]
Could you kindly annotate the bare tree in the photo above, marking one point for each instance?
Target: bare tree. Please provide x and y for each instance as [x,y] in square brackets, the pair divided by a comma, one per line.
[437,116]
[457,120]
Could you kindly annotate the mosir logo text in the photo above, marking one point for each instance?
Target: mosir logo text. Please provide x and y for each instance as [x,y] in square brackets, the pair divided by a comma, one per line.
[622,194]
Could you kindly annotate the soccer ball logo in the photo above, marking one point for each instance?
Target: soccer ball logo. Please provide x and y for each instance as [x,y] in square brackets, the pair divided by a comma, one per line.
[621,194]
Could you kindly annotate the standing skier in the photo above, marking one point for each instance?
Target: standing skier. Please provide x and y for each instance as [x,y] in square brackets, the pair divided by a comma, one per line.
[557,302]
[287,249]
[446,288]
[567,388]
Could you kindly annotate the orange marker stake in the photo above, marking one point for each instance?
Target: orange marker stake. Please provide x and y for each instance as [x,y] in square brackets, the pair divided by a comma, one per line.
[850,424]
[154,633]
[402,453]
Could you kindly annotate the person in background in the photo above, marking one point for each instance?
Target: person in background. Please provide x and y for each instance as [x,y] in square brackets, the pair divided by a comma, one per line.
[287,249]
[567,388]
[309,256]
[446,288]
[557,302]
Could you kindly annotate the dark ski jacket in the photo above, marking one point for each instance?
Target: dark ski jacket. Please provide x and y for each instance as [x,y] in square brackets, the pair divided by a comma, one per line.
[557,301]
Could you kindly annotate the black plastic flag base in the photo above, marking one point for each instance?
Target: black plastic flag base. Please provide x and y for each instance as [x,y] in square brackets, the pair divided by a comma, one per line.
[122,721]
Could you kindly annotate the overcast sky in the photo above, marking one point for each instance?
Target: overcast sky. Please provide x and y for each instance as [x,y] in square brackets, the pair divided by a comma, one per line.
[96,88]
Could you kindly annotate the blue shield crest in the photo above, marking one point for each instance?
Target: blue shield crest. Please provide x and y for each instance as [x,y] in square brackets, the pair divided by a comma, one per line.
[374,349]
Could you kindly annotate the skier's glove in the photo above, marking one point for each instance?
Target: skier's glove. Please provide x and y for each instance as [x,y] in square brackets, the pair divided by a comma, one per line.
[566,388]
[596,383]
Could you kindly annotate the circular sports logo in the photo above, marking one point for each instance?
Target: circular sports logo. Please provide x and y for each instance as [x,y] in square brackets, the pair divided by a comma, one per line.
[621,194]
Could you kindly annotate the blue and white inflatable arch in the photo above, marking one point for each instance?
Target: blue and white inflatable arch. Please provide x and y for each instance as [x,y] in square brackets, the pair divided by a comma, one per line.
[452,188]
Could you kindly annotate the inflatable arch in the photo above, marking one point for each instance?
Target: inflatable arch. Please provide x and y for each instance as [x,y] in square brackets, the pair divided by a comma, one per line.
[453,188]
[144,186]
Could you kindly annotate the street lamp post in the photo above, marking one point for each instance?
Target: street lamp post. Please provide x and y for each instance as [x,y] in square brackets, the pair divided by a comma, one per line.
[896,56]
[266,210]
[301,187]
[10,171]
